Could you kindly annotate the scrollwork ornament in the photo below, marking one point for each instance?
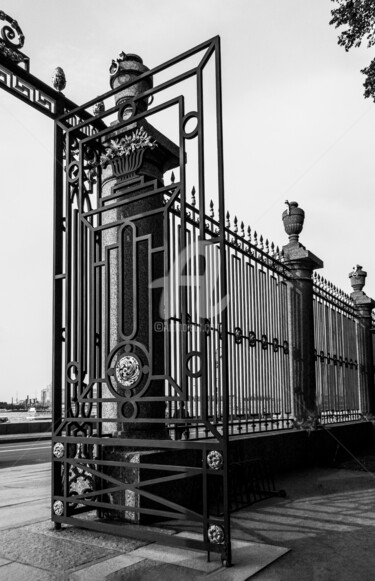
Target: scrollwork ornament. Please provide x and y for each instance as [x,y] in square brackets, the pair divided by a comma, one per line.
[58,508]
[11,31]
[58,450]
[215,460]
[216,534]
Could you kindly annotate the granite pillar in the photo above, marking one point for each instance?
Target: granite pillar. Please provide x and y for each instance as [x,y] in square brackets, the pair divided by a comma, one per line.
[301,263]
[133,248]
[364,306]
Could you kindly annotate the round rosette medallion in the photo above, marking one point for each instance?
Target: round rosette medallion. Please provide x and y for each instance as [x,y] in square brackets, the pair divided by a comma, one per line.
[128,370]
[128,366]
[216,534]
[58,508]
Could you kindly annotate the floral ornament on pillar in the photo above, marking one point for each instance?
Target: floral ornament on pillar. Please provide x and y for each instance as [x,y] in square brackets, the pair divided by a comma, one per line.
[127,145]
[58,508]
[58,450]
[215,460]
[216,534]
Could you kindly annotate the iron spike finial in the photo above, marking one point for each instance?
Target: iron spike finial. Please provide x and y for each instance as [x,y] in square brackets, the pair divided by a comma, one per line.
[212,212]
[249,233]
[242,229]
[172,177]
[235,222]
[193,201]
[228,220]
[255,238]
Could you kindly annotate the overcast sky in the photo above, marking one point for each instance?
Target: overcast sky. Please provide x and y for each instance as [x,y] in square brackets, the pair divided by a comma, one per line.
[296,126]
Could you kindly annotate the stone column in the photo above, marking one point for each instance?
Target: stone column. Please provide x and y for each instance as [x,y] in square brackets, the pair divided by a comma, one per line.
[302,264]
[134,315]
[132,334]
[363,306]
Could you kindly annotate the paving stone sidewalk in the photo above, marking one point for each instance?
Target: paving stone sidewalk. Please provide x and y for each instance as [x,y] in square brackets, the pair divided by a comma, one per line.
[327,519]
[31,549]
[38,552]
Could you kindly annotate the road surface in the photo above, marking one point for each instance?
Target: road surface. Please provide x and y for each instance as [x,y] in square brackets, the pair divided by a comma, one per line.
[23,453]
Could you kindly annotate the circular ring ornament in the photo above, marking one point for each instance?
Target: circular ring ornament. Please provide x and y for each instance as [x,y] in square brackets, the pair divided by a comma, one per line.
[58,508]
[128,370]
[216,534]
[215,460]
[129,410]
[191,358]
[58,450]
[73,172]
[72,372]
[127,109]
[194,131]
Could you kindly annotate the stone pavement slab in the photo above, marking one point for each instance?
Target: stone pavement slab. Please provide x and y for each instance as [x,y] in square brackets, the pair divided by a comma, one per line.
[25,495]
[104,569]
[47,553]
[4,562]
[20,572]
[16,515]
[248,558]
[148,570]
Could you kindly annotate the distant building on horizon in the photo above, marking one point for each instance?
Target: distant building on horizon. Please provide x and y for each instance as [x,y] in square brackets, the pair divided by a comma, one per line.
[46,395]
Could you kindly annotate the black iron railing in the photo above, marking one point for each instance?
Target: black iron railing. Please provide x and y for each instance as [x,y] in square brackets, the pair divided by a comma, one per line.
[341,362]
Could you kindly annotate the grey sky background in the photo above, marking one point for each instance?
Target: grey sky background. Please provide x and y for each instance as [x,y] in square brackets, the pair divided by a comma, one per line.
[296,126]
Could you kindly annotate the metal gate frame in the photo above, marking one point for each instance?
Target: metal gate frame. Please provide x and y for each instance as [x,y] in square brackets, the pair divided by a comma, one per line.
[77,458]
[80,447]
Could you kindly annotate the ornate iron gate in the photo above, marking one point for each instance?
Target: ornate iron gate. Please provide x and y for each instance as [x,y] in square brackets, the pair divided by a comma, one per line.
[139,297]
[140,378]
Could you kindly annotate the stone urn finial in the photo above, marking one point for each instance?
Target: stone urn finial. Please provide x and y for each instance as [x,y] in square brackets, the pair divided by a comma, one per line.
[357,278]
[293,219]
[58,79]
[127,67]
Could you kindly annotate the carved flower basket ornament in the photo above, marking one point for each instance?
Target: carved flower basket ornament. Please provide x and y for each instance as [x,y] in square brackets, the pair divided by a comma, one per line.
[127,164]
[125,155]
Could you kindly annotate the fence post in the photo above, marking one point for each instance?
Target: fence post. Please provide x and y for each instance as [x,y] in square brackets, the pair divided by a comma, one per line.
[363,306]
[301,263]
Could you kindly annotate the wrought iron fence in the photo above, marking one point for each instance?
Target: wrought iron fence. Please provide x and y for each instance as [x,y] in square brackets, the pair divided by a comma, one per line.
[341,364]
[258,328]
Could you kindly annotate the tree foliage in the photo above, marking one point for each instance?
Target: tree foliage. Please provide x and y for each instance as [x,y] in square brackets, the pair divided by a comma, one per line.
[358,18]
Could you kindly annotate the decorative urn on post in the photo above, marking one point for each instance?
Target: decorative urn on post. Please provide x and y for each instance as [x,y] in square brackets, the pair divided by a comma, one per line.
[123,70]
[293,219]
[58,79]
[357,278]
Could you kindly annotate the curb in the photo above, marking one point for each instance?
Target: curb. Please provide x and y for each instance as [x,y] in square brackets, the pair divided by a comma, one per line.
[15,438]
